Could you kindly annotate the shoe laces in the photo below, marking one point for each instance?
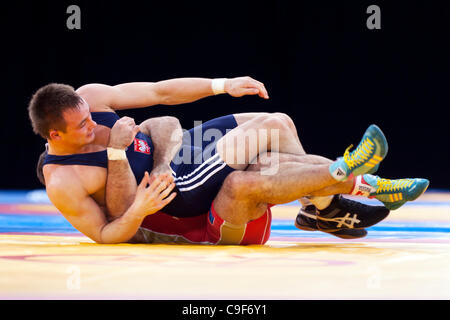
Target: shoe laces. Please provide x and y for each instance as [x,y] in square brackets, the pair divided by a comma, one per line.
[360,155]
[387,185]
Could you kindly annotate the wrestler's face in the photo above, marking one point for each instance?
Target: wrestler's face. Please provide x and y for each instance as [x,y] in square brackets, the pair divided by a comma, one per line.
[79,126]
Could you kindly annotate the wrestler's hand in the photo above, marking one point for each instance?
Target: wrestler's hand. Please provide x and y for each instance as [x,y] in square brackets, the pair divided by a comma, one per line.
[153,194]
[162,169]
[123,133]
[238,87]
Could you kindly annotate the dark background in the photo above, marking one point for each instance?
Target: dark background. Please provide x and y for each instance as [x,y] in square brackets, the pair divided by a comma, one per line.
[318,60]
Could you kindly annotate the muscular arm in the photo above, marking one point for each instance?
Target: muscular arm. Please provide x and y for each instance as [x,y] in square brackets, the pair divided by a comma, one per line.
[86,216]
[143,94]
[72,200]
[167,92]
[166,135]
[121,184]
[120,188]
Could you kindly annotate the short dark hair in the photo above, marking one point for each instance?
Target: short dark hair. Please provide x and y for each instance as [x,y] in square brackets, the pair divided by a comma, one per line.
[47,106]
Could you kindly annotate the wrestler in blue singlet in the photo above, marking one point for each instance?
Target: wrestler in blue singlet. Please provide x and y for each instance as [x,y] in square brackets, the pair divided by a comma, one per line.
[197,169]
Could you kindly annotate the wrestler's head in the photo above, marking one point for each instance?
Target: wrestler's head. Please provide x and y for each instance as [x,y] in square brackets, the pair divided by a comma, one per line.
[60,115]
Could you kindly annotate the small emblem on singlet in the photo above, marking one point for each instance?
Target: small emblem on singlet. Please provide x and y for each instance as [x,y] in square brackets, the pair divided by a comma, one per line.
[141,146]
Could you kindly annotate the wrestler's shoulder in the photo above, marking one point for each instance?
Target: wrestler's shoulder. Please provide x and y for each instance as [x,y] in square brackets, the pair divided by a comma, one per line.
[62,184]
[96,95]
[72,178]
[58,176]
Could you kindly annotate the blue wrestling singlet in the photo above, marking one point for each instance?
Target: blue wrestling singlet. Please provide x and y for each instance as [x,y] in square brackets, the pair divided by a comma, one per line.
[139,153]
[197,169]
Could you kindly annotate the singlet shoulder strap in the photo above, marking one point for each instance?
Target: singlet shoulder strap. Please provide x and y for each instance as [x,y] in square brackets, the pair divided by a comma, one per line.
[93,159]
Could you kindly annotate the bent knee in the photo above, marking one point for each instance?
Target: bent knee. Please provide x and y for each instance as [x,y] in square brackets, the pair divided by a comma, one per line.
[233,185]
[236,202]
[286,119]
[273,121]
[242,185]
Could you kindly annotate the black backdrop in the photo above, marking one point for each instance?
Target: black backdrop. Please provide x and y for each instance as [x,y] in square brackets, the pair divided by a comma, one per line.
[318,60]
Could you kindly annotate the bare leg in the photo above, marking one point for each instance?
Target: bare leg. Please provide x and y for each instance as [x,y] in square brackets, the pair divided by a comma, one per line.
[296,160]
[273,132]
[244,195]
[241,118]
[298,155]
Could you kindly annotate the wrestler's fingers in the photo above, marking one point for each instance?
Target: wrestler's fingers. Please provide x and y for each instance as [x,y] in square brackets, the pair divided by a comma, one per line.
[151,179]
[167,200]
[166,176]
[144,181]
[249,91]
[131,124]
[154,184]
[260,86]
[263,91]
[135,131]
[162,186]
[126,120]
[166,192]
[170,178]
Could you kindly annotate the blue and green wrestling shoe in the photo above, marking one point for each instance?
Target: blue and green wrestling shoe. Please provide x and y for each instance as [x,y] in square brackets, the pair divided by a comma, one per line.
[395,193]
[365,158]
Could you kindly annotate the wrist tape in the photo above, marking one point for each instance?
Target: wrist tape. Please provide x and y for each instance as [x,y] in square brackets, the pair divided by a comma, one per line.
[116,154]
[218,85]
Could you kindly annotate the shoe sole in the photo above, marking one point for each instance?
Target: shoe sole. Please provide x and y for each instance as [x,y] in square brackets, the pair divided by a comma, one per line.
[301,227]
[360,233]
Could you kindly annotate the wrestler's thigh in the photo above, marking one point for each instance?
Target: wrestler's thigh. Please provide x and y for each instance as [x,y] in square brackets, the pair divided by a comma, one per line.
[234,202]
[268,159]
[242,144]
[242,118]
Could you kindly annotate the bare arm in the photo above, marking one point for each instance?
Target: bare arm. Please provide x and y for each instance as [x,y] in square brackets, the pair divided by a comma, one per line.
[167,92]
[121,184]
[120,189]
[85,215]
[166,135]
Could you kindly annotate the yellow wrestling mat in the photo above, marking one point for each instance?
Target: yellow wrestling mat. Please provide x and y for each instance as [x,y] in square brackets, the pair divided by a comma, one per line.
[406,256]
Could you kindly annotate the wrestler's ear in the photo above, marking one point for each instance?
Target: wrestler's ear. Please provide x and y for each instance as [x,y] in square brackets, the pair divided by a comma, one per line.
[54,135]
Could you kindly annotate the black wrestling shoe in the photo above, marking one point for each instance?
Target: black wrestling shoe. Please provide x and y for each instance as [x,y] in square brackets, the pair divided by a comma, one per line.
[307,220]
[344,213]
